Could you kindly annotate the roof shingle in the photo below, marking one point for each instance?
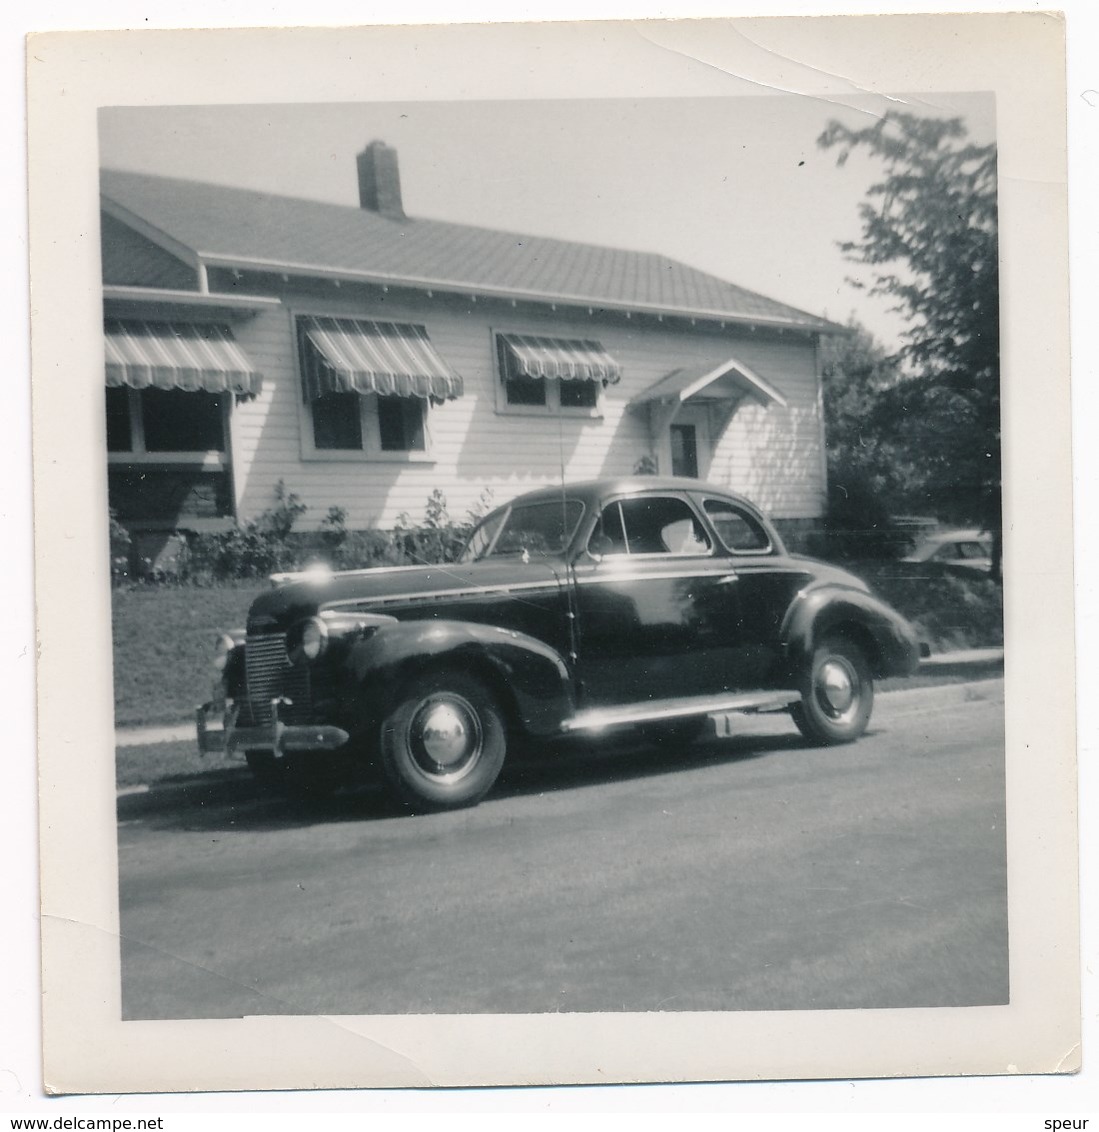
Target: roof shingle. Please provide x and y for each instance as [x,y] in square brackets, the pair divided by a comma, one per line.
[241,227]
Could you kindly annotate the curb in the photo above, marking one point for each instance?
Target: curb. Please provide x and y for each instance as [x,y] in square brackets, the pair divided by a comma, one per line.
[902,700]
[979,664]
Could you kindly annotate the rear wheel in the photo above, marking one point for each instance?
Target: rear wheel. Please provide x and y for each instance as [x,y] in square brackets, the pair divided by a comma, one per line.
[443,742]
[837,693]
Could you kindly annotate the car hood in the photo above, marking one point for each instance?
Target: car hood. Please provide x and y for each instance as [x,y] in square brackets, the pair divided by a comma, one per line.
[386,588]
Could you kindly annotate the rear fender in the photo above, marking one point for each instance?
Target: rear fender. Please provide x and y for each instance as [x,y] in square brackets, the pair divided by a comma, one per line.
[531,679]
[883,634]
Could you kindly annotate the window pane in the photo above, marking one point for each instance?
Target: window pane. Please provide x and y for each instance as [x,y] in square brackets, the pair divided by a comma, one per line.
[401,424]
[337,422]
[738,530]
[662,525]
[526,390]
[179,421]
[119,438]
[609,537]
[579,395]
[539,528]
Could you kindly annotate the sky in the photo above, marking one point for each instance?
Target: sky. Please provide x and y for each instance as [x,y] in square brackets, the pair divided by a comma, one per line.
[735,186]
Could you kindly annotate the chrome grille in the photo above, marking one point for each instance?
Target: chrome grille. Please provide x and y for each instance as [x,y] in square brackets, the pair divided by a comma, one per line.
[271,675]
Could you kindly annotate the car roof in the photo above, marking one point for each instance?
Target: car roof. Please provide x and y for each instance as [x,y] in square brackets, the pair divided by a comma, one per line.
[972,534]
[590,491]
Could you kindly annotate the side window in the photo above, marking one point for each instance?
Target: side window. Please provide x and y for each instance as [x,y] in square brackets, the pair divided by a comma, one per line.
[609,536]
[738,530]
[650,525]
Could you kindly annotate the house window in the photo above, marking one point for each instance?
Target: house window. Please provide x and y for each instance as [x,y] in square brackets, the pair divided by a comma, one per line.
[337,422]
[366,387]
[164,420]
[545,392]
[578,394]
[401,424]
[366,422]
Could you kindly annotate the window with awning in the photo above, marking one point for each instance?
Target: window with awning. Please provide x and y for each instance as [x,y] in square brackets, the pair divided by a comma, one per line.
[550,374]
[390,359]
[170,386]
[192,357]
[566,359]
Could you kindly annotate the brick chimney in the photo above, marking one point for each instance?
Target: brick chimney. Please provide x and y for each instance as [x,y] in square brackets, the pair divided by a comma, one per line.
[380,180]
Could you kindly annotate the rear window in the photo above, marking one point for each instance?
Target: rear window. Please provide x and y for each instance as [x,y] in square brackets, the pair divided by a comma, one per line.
[738,530]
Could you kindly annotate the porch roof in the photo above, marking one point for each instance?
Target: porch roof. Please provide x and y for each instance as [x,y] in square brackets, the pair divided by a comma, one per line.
[728,380]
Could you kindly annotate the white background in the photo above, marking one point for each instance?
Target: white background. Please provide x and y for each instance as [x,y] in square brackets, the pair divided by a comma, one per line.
[1005,1103]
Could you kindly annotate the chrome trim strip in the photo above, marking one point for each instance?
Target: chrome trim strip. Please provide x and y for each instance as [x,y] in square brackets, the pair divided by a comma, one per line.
[595,719]
[719,569]
[424,596]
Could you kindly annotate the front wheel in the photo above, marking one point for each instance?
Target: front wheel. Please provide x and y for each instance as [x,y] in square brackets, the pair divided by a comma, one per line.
[837,694]
[443,742]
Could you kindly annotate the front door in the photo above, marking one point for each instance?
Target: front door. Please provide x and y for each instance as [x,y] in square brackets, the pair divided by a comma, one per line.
[684,438]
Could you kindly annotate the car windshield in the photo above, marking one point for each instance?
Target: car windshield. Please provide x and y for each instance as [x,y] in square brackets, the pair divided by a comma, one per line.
[530,528]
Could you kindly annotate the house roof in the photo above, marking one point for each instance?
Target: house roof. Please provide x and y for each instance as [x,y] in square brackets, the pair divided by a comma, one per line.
[220,226]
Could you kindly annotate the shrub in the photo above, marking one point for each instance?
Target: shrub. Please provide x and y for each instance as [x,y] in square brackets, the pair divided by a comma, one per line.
[334,527]
[949,610]
[121,546]
[438,538]
[269,544]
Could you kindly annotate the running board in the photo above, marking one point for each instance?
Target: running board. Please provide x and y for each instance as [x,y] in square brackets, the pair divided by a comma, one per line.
[718,707]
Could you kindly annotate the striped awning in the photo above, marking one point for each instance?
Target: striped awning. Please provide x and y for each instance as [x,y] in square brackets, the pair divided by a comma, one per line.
[568,359]
[196,357]
[344,355]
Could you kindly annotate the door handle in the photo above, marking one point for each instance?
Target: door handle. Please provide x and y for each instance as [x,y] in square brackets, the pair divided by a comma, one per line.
[727,580]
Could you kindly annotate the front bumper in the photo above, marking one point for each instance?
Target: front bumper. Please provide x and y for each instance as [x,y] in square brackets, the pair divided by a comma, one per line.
[217,732]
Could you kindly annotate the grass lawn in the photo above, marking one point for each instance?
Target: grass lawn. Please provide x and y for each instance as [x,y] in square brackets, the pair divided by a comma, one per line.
[163,763]
[163,641]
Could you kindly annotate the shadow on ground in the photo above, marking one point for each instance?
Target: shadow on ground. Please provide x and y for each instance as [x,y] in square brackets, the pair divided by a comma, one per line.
[232,798]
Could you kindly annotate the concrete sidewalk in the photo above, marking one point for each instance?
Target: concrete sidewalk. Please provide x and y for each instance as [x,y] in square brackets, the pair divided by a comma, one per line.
[976,664]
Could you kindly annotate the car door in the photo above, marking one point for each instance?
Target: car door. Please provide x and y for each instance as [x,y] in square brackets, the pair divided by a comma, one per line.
[656,604]
[767,583]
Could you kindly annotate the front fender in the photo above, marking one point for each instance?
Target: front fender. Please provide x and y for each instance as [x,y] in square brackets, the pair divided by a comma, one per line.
[889,641]
[531,679]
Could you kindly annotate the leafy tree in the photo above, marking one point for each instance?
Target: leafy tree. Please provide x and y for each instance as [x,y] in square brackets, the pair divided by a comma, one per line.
[866,469]
[929,228]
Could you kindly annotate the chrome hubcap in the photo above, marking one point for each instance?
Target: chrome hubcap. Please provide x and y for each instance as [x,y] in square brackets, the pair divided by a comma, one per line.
[837,687]
[445,737]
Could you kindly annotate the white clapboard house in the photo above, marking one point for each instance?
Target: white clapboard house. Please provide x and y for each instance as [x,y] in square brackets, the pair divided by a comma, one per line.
[364,358]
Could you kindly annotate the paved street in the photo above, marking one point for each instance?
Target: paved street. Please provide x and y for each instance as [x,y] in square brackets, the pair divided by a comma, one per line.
[751,873]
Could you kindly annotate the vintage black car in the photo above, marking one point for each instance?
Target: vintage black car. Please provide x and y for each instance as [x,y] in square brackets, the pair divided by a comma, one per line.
[641,602]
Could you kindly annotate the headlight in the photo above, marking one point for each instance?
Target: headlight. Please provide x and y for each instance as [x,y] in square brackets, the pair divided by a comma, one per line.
[223,646]
[311,640]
